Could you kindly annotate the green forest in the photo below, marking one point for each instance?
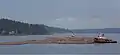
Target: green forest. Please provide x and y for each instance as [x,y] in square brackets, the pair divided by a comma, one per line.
[8,26]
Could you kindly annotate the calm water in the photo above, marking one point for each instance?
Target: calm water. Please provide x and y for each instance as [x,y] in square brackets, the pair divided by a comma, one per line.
[58,48]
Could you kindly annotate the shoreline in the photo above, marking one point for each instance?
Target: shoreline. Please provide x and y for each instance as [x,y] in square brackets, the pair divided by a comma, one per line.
[55,40]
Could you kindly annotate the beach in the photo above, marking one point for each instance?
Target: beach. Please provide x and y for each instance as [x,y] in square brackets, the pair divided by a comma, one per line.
[54,40]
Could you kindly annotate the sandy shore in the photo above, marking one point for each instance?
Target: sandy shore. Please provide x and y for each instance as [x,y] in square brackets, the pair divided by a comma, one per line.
[55,40]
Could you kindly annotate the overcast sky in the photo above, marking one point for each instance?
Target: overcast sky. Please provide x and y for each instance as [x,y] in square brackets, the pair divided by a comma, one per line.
[73,14]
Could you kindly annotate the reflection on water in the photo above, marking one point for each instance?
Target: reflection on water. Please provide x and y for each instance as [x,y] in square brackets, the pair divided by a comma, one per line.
[58,48]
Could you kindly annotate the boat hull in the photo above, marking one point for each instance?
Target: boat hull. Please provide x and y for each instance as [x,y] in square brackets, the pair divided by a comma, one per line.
[105,42]
[97,40]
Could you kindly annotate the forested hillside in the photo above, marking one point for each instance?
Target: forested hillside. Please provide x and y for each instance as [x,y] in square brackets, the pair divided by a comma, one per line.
[6,26]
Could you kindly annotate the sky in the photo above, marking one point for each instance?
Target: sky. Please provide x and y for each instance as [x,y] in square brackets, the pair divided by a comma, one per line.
[72,14]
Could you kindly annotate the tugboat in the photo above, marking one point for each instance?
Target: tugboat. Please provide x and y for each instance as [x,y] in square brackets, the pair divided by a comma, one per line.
[97,40]
[102,39]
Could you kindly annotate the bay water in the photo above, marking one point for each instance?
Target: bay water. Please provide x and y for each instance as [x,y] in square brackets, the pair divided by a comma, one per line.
[59,48]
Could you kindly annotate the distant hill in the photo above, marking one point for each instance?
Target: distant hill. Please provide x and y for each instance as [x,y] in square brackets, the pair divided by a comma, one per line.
[105,30]
[7,26]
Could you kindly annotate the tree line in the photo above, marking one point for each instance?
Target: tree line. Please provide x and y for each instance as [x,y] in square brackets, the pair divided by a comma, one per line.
[18,27]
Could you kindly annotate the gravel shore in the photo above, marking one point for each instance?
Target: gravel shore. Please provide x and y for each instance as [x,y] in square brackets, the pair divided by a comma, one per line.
[55,40]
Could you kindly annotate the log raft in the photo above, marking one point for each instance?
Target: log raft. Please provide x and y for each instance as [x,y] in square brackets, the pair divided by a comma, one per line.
[62,40]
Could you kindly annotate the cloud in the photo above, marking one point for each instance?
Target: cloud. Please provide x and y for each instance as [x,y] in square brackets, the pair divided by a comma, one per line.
[84,23]
[58,19]
[62,22]
[65,19]
[6,17]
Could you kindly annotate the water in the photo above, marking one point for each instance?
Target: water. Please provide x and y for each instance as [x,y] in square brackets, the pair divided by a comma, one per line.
[58,48]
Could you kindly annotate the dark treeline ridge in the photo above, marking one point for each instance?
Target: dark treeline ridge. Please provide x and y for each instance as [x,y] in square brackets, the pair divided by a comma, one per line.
[18,27]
